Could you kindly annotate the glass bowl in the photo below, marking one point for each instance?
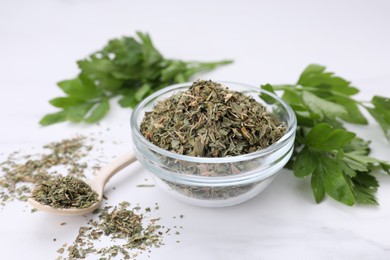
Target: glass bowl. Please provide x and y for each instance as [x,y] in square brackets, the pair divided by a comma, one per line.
[181,175]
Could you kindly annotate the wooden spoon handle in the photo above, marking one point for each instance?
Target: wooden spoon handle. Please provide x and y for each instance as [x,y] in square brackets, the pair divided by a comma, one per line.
[106,173]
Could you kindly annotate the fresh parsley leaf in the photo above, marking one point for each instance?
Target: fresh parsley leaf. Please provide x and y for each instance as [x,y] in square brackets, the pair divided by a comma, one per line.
[142,92]
[317,186]
[98,111]
[315,76]
[128,98]
[325,138]
[335,182]
[385,166]
[77,113]
[53,118]
[336,160]
[351,107]
[267,98]
[381,113]
[358,145]
[319,158]
[80,87]
[322,107]
[64,102]
[365,186]
[129,67]
[305,163]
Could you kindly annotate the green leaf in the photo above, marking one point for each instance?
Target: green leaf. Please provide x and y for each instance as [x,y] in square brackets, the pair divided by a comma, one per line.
[353,115]
[77,113]
[181,77]
[98,111]
[305,118]
[315,76]
[337,160]
[325,138]
[322,107]
[173,68]
[382,120]
[292,97]
[79,88]
[385,166]
[346,169]
[355,165]
[54,118]
[126,50]
[381,113]
[128,98]
[362,158]
[363,163]
[382,102]
[142,92]
[64,102]
[268,87]
[150,54]
[317,186]
[100,70]
[264,96]
[358,145]
[365,187]
[334,181]
[305,163]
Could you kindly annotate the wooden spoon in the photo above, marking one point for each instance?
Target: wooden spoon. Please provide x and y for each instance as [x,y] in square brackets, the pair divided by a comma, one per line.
[97,184]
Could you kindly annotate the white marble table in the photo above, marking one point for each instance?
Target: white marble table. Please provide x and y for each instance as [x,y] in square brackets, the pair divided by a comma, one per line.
[270,41]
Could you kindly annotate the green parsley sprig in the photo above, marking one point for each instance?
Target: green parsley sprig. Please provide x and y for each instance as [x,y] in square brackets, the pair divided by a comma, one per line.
[337,161]
[127,67]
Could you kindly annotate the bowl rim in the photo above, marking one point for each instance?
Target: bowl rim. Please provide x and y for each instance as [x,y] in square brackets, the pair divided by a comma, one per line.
[292,124]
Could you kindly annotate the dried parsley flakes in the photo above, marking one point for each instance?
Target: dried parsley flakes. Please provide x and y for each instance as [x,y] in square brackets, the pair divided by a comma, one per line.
[21,173]
[128,233]
[65,192]
[209,120]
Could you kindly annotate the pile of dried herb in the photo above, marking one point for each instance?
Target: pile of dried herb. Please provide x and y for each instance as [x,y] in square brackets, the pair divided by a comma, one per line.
[19,174]
[128,231]
[209,120]
[65,192]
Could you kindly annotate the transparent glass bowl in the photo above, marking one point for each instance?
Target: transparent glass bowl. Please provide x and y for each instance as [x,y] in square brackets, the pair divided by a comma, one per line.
[180,176]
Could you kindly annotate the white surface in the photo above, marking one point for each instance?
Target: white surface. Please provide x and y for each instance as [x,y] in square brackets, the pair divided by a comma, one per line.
[270,41]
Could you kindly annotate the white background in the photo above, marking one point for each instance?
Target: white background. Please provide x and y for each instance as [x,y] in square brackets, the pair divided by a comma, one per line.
[271,42]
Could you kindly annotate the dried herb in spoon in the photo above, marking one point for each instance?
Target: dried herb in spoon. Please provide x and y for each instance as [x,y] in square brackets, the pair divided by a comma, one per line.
[20,173]
[65,192]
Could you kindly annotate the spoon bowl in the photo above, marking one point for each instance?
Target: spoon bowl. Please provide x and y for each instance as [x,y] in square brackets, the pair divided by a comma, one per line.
[97,184]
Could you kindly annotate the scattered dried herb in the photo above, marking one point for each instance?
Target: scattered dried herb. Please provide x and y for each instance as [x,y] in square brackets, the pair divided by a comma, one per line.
[145,185]
[21,173]
[209,120]
[65,192]
[129,233]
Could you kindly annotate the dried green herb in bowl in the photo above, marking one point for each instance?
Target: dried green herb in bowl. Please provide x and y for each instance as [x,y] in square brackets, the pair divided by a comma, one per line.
[211,145]
[209,120]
